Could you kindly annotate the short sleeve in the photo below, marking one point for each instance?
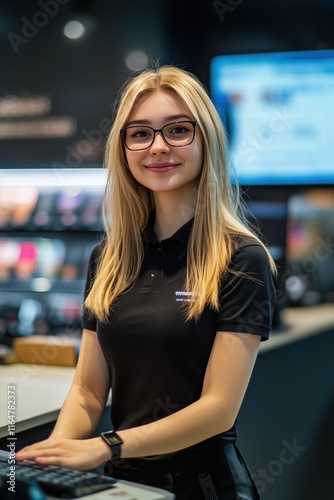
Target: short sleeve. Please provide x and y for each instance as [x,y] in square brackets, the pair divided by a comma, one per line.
[247,292]
[88,318]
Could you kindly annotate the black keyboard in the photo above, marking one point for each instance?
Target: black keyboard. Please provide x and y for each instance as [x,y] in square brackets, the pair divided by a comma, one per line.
[54,481]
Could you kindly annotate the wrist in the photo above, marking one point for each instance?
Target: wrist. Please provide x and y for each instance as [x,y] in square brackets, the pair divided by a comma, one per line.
[105,450]
[114,442]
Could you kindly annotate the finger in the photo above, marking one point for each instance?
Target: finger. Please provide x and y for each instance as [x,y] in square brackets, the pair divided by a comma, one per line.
[40,444]
[58,460]
[32,452]
[64,461]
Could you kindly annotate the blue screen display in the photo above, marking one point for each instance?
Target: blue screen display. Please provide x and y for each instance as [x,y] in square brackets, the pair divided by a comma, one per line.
[278,110]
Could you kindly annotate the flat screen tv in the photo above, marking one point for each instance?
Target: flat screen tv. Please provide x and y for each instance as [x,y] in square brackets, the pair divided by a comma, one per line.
[278,109]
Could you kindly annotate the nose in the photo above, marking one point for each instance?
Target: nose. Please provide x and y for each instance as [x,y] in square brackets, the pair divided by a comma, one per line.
[159,144]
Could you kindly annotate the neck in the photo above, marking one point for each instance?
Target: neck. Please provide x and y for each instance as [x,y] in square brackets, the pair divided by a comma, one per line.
[172,212]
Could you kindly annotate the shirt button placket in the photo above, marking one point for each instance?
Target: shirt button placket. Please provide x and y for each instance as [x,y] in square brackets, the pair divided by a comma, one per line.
[160,249]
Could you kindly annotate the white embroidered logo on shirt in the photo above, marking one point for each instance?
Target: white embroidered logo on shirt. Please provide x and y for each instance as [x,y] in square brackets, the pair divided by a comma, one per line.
[183,296]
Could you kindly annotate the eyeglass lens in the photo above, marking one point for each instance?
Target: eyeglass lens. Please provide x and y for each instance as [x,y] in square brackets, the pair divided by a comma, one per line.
[175,134]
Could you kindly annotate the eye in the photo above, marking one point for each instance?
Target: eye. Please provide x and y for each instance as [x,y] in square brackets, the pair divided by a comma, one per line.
[140,132]
[178,129]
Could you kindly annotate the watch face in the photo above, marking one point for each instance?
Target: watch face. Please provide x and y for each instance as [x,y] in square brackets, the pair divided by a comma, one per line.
[112,438]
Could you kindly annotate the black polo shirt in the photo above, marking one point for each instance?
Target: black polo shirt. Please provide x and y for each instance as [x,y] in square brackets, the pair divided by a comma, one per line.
[156,359]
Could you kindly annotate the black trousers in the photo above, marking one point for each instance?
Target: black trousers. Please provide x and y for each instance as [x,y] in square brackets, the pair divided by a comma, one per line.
[221,475]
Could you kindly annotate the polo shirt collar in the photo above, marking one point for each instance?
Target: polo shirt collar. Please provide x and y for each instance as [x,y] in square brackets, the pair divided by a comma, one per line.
[181,235]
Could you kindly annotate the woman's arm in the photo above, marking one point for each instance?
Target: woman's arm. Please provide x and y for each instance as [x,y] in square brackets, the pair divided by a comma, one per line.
[86,400]
[81,411]
[226,379]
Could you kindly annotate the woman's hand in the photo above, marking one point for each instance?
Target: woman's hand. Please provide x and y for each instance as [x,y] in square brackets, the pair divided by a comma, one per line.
[83,454]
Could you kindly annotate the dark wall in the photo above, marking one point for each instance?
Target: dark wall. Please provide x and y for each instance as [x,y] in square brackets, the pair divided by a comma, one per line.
[196,32]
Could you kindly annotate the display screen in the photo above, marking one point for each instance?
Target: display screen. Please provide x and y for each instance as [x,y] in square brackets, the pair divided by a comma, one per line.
[278,109]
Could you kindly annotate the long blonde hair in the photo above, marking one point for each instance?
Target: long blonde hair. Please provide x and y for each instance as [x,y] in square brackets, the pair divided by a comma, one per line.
[218,217]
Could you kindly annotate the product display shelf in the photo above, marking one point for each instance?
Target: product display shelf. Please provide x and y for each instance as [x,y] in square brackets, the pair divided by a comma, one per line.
[50,220]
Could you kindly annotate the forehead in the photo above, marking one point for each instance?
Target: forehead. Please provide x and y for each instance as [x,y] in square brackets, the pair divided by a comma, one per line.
[157,104]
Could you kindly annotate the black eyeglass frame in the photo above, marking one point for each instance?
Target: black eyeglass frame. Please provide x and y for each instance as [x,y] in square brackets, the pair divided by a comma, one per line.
[155,131]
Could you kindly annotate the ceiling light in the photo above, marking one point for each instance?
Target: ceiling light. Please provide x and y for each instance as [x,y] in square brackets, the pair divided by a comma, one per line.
[136,60]
[74,29]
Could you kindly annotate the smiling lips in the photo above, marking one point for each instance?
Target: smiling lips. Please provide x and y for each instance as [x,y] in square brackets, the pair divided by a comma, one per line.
[161,167]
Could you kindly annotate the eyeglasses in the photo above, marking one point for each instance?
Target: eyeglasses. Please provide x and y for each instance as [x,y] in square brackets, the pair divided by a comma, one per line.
[176,134]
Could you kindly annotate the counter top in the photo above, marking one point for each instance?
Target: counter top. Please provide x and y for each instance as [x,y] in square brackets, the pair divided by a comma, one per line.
[300,323]
[39,393]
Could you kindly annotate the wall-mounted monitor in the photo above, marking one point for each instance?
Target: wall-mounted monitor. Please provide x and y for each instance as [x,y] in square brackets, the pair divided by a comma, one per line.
[278,109]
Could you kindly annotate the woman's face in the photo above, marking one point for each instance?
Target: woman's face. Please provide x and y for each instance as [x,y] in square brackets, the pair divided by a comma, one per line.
[161,167]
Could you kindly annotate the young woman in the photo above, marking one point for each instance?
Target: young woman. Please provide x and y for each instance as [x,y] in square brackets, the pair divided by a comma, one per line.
[179,295]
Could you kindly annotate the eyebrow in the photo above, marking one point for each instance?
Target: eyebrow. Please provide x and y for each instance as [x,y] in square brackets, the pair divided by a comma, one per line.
[167,119]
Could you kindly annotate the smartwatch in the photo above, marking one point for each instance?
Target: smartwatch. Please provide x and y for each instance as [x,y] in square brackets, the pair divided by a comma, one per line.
[115,443]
